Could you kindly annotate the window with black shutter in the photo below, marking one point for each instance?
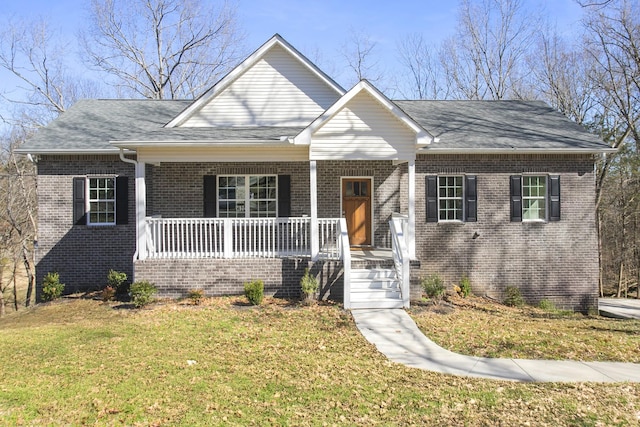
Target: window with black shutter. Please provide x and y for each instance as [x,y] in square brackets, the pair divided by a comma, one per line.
[452,198]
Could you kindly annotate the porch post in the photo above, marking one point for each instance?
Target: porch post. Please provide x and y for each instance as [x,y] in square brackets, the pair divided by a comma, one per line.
[313,192]
[411,232]
[141,210]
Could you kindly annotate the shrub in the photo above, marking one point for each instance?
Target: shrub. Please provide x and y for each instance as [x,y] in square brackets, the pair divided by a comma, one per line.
[308,284]
[433,287]
[118,281]
[254,291]
[513,297]
[108,293]
[142,293]
[51,287]
[196,296]
[465,287]
[546,305]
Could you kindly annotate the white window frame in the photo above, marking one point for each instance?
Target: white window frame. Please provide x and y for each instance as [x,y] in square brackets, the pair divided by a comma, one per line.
[461,199]
[90,200]
[544,198]
[247,195]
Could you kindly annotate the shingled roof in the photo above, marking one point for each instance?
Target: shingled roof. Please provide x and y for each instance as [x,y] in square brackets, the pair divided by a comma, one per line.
[459,126]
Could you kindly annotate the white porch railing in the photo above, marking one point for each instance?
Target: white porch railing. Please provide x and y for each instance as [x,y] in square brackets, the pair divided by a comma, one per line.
[239,237]
[345,255]
[401,256]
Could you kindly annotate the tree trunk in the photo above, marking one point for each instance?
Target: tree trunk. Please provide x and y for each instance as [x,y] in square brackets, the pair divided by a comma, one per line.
[15,286]
[31,279]
[1,290]
[620,274]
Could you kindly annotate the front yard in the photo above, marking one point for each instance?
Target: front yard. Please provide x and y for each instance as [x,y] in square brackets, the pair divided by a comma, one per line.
[81,362]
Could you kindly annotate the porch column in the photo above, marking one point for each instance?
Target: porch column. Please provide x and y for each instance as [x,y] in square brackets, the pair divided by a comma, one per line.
[313,195]
[411,232]
[141,211]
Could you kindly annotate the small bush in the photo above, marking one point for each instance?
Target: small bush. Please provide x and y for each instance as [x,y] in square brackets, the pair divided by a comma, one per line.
[546,305]
[142,293]
[465,287]
[108,293]
[433,287]
[196,296]
[309,284]
[254,291]
[118,281]
[51,287]
[513,297]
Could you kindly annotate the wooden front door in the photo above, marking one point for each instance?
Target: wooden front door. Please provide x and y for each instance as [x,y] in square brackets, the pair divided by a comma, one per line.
[356,208]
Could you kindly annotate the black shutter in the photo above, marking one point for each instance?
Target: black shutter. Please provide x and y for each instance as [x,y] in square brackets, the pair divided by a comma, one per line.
[284,196]
[516,198]
[554,198]
[122,200]
[210,193]
[432,198]
[471,198]
[79,205]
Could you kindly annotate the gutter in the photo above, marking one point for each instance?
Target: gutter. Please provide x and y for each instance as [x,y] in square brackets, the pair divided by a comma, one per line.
[517,151]
[135,166]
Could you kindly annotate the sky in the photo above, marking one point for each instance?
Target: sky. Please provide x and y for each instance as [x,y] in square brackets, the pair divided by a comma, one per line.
[318,29]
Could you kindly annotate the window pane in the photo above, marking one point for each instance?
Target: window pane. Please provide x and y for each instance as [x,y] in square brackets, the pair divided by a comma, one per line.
[450,192]
[534,194]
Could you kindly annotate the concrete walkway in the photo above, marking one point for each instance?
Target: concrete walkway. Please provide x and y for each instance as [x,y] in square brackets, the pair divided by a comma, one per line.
[396,336]
[620,308]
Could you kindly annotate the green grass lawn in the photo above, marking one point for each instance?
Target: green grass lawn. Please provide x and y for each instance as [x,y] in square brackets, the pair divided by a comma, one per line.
[82,362]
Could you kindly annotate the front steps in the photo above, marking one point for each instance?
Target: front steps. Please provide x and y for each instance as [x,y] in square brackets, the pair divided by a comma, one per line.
[375,288]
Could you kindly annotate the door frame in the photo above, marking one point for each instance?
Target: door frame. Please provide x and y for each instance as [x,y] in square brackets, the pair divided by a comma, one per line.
[371,201]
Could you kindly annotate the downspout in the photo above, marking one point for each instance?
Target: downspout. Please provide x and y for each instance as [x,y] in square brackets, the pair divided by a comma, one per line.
[135,165]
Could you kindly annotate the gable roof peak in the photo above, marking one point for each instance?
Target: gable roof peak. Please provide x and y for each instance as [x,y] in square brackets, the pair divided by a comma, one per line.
[250,61]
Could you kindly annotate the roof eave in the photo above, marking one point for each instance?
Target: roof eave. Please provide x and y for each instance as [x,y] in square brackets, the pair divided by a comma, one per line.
[202,143]
[431,150]
[74,151]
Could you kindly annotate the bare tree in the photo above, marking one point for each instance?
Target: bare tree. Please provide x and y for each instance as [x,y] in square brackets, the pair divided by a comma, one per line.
[34,54]
[17,219]
[564,77]
[423,71]
[359,53]
[161,48]
[484,60]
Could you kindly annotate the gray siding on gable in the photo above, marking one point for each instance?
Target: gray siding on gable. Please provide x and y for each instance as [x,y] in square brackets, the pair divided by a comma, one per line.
[81,254]
[552,260]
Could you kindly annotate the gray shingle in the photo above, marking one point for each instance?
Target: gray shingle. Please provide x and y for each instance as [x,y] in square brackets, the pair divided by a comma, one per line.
[460,125]
[499,125]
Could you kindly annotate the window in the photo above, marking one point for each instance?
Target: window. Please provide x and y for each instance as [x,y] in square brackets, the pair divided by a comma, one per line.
[252,196]
[451,198]
[535,198]
[102,201]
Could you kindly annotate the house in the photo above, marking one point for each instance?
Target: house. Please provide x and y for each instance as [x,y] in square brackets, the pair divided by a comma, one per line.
[277,169]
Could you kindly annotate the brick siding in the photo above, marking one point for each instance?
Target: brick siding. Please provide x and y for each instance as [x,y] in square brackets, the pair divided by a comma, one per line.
[281,276]
[81,254]
[553,260]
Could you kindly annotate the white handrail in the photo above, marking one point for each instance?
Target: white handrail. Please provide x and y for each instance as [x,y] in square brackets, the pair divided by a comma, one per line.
[400,258]
[238,237]
[345,255]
